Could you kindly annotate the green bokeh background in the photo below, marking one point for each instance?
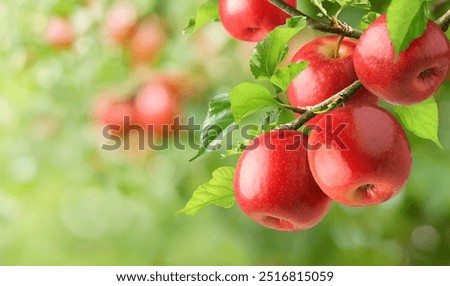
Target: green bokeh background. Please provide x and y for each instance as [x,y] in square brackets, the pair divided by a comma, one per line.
[64,201]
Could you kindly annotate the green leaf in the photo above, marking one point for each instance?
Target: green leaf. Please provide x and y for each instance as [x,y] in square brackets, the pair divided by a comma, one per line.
[422,119]
[284,76]
[208,11]
[318,4]
[368,19]
[247,98]
[269,53]
[406,21]
[218,191]
[362,4]
[217,123]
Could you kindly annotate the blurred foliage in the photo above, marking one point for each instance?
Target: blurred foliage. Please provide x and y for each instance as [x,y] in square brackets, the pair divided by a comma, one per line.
[64,201]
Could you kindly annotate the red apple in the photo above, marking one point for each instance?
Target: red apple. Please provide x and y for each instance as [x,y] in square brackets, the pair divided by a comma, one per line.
[326,74]
[251,20]
[59,33]
[274,185]
[156,107]
[148,40]
[367,162]
[411,78]
[301,39]
[120,22]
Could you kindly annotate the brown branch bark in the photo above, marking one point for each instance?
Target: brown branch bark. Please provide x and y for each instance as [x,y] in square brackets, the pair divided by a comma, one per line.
[334,102]
[335,27]
[444,21]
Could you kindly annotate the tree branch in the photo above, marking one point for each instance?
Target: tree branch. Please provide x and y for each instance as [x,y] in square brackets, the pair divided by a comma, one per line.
[444,21]
[334,102]
[335,27]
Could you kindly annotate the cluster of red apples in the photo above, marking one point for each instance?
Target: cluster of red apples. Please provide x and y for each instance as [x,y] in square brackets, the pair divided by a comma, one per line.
[141,37]
[286,180]
[156,101]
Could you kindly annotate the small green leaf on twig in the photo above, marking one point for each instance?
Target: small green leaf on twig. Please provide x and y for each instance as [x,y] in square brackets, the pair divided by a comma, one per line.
[362,4]
[208,11]
[218,191]
[368,19]
[323,11]
[217,123]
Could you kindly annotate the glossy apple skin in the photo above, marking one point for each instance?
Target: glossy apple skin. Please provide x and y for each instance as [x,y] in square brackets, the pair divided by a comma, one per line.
[59,33]
[376,155]
[120,22]
[274,186]
[156,106]
[148,40]
[402,81]
[325,75]
[251,20]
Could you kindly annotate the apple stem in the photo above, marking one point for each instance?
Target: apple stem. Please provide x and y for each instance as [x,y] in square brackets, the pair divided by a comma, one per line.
[336,53]
[444,21]
[365,188]
[334,27]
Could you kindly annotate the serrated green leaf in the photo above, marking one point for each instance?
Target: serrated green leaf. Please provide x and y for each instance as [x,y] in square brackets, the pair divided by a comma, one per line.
[269,53]
[208,11]
[406,21]
[217,122]
[218,191]
[247,98]
[368,19]
[422,119]
[284,76]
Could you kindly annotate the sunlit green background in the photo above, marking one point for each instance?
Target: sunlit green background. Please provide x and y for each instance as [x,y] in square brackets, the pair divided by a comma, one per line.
[64,201]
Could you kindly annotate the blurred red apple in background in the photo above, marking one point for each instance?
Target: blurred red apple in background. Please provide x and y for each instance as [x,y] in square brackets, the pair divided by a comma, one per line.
[148,40]
[59,33]
[112,111]
[120,22]
[156,106]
